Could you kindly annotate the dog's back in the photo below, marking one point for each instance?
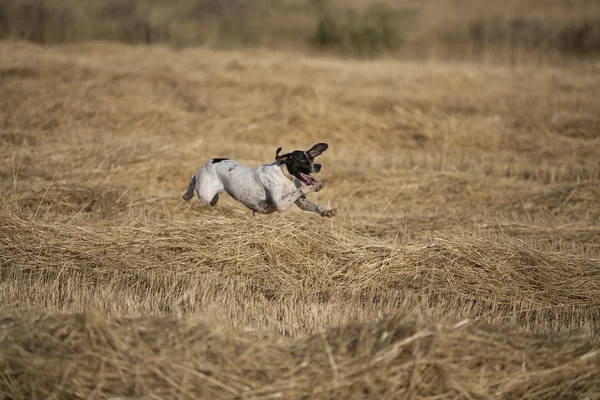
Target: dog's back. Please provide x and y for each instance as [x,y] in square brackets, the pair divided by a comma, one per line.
[246,185]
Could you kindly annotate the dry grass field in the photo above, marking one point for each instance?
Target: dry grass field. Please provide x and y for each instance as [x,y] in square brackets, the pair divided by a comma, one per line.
[464,261]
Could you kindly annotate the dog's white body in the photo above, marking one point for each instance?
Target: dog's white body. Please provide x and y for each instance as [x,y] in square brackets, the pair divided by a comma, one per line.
[265,189]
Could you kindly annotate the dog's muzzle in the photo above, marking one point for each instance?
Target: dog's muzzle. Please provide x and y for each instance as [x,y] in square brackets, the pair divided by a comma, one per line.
[316,167]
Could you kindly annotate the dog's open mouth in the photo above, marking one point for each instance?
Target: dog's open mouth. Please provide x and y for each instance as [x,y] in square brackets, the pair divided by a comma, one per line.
[308,179]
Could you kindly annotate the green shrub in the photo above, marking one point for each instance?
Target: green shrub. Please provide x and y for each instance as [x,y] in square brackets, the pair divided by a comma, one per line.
[369,33]
[328,32]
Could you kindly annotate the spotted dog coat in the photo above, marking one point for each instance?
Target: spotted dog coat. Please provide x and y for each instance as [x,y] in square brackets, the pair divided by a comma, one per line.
[266,189]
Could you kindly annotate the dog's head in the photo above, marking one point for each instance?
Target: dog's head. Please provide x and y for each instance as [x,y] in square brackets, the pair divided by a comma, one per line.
[302,163]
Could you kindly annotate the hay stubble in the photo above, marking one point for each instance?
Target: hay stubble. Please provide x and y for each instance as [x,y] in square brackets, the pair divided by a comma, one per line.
[463,262]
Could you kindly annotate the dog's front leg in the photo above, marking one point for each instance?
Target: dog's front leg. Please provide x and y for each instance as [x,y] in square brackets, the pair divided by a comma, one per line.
[287,200]
[307,205]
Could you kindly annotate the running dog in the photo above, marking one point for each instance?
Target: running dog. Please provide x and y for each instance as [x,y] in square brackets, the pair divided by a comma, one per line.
[266,189]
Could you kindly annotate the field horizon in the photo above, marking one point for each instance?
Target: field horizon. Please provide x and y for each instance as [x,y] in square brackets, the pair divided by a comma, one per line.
[511,32]
[464,261]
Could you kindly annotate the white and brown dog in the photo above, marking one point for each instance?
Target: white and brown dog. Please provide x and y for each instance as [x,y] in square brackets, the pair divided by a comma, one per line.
[266,189]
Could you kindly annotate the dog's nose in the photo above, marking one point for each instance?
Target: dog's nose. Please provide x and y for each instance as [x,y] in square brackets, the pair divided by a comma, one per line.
[317,167]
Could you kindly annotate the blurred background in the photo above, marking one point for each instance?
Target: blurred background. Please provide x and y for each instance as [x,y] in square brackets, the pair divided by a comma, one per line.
[510,31]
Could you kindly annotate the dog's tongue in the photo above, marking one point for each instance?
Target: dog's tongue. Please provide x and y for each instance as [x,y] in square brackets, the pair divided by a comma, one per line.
[309,179]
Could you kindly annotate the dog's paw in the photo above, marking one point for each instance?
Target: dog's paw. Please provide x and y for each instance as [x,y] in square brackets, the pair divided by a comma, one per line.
[318,186]
[329,213]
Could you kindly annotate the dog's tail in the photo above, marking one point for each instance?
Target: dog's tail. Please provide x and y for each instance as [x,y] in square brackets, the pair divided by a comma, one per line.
[190,190]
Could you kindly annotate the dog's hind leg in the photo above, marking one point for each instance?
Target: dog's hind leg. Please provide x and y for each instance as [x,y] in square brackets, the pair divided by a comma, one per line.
[206,189]
[190,190]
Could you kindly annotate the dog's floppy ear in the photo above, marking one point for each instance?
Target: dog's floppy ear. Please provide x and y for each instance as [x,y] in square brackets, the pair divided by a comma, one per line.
[282,158]
[317,149]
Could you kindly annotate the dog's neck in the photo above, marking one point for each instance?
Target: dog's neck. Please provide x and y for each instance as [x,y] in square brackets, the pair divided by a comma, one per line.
[286,173]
